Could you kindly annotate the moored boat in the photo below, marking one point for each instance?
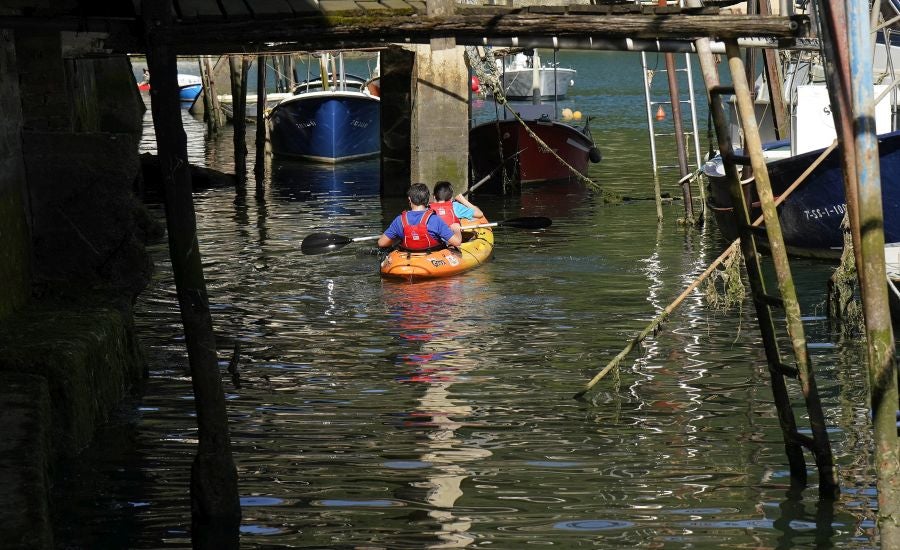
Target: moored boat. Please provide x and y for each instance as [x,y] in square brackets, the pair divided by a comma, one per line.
[892,267]
[811,215]
[477,248]
[189,87]
[524,160]
[521,79]
[332,121]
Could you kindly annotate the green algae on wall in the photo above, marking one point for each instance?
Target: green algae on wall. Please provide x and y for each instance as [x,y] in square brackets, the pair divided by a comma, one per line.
[88,354]
[449,168]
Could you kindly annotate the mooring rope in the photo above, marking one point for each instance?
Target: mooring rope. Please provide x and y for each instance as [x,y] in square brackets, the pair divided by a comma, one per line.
[485,68]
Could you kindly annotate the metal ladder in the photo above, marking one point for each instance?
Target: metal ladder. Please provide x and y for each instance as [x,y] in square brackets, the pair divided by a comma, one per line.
[764,301]
[648,75]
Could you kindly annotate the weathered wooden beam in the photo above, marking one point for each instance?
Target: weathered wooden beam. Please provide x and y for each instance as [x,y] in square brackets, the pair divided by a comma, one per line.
[215,505]
[310,33]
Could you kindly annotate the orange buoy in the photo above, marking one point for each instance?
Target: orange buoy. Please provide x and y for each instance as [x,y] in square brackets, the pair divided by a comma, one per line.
[476,84]
[660,114]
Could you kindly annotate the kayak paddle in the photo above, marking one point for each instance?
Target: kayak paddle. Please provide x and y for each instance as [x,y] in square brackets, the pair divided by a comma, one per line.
[319,243]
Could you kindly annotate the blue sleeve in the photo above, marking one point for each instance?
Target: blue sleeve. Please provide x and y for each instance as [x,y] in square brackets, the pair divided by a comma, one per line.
[462,211]
[440,228]
[395,230]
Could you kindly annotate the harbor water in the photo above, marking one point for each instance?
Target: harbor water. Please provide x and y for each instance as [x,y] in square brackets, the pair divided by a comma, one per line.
[375,414]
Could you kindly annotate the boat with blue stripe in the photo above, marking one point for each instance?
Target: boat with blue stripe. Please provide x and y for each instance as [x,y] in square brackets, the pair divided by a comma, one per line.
[337,120]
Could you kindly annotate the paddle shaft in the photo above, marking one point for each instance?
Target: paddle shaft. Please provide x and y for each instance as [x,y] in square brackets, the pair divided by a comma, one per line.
[465,228]
[483,180]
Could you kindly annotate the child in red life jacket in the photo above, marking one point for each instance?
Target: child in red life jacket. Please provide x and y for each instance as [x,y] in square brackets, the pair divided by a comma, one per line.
[452,209]
[419,229]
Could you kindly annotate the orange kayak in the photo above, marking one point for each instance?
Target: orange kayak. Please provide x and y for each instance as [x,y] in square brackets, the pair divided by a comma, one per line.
[477,248]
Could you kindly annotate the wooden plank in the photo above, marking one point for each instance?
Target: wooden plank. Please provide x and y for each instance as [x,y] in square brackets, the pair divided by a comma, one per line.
[419,6]
[235,9]
[199,9]
[314,33]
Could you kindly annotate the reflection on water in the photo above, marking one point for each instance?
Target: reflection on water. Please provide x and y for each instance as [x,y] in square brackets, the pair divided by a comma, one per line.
[433,318]
[376,414]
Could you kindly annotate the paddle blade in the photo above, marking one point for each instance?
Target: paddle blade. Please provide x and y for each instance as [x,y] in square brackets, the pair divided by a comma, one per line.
[319,243]
[533,222]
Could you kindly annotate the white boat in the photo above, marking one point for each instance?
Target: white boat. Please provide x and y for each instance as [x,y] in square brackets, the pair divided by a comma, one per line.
[522,74]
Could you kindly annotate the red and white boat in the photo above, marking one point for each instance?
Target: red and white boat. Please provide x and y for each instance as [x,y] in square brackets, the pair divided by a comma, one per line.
[524,160]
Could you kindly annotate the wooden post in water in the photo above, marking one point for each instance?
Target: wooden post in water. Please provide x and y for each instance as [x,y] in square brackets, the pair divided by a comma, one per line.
[212,111]
[837,70]
[239,69]
[259,168]
[215,506]
[882,364]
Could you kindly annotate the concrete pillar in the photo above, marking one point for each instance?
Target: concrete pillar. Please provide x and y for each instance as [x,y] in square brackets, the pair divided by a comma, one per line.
[440,116]
[14,234]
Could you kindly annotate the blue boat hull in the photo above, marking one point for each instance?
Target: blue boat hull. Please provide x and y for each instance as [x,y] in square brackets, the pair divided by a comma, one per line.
[812,214]
[189,93]
[326,126]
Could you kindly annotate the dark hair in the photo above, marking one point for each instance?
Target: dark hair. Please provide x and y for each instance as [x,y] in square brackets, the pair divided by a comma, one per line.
[419,194]
[443,191]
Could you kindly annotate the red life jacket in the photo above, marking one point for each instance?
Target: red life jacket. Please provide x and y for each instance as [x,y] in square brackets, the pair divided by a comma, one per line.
[445,211]
[417,237]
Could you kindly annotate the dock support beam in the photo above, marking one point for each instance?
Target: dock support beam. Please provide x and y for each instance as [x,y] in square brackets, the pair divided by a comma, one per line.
[239,66]
[215,506]
[259,166]
[863,191]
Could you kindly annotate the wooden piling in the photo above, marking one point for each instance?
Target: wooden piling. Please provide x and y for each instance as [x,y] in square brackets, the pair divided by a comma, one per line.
[215,506]
[239,66]
[259,168]
[882,364]
[212,111]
